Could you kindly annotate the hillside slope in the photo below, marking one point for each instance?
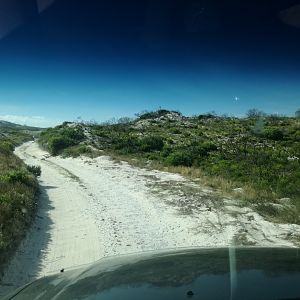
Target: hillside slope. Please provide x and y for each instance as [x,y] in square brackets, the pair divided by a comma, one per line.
[256,157]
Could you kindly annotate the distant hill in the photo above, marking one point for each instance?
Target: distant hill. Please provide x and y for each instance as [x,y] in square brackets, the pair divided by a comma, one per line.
[17,134]
[9,125]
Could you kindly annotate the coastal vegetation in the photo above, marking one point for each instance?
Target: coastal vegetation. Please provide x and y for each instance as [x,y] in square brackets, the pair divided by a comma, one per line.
[18,189]
[255,158]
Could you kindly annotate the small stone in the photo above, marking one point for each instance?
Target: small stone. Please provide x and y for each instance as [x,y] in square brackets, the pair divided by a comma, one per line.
[284,200]
[238,190]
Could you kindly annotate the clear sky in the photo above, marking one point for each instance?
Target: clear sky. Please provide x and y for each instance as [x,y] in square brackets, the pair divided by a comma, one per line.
[102,59]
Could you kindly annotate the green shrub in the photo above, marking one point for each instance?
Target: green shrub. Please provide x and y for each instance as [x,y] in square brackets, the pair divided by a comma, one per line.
[274,134]
[6,147]
[207,116]
[15,176]
[126,144]
[153,114]
[57,144]
[77,150]
[35,170]
[180,158]
[166,151]
[18,190]
[59,138]
[202,149]
[132,144]
[175,130]
[75,134]
[151,143]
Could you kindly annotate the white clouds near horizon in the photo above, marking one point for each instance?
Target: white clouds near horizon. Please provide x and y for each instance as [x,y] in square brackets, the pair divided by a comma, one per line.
[38,121]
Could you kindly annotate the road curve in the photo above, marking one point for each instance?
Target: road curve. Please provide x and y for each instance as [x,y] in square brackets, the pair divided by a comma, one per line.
[91,208]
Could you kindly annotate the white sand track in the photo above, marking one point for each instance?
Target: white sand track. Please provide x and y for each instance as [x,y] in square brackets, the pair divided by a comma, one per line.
[91,208]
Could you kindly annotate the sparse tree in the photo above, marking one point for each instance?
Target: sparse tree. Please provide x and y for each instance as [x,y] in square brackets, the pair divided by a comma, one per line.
[297,113]
[124,120]
[141,113]
[255,113]
[93,122]
[111,121]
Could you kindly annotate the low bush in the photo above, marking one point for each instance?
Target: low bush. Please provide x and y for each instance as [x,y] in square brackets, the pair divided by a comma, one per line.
[14,176]
[126,144]
[132,144]
[175,130]
[59,138]
[6,147]
[153,114]
[77,150]
[18,190]
[151,143]
[35,170]
[57,144]
[274,134]
[180,158]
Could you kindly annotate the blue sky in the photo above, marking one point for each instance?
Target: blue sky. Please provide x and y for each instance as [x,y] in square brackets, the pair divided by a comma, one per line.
[48,77]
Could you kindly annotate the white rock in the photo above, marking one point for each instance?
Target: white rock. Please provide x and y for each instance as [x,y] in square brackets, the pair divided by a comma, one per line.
[238,190]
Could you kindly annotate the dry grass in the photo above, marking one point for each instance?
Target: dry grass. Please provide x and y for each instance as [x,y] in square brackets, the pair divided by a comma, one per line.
[196,174]
[260,200]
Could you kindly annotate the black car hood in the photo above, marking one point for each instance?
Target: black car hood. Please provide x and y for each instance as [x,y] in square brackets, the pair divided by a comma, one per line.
[223,273]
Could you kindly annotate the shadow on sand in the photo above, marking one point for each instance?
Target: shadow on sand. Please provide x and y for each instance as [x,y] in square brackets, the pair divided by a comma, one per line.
[27,263]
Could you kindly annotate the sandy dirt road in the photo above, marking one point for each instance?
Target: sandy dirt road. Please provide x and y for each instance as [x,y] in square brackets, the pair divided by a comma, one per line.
[92,208]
